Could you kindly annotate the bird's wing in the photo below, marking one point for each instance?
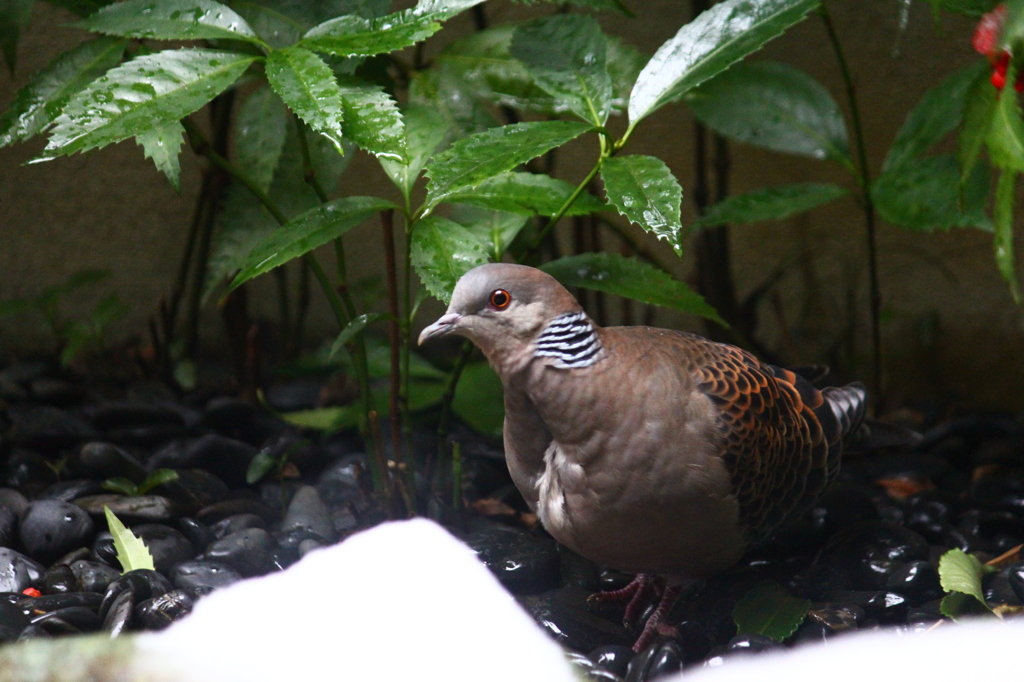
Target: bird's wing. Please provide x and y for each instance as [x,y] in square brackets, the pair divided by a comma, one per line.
[773,443]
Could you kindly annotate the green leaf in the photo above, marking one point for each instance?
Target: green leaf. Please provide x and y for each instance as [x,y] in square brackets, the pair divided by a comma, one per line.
[156,478]
[474,159]
[526,193]
[483,64]
[425,129]
[497,228]
[324,418]
[767,609]
[957,605]
[260,465]
[644,190]
[82,8]
[1006,135]
[14,16]
[260,133]
[163,145]
[629,278]
[38,103]
[979,111]
[1006,259]
[773,105]
[372,120]
[478,399]
[596,5]
[960,572]
[307,85]
[353,328]
[925,194]
[120,484]
[708,45]
[771,203]
[939,111]
[132,552]
[171,20]
[148,92]
[451,98]
[351,36]
[306,232]
[624,63]
[565,54]
[442,251]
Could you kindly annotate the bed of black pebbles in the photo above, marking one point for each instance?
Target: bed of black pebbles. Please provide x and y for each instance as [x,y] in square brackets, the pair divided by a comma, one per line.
[865,558]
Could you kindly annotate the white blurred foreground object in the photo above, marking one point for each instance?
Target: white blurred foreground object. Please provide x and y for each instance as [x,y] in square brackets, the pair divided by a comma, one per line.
[403,601]
[407,601]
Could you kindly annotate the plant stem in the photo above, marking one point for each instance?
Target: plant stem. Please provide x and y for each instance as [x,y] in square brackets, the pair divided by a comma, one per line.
[341,303]
[395,416]
[869,208]
[449,395]
[542,233]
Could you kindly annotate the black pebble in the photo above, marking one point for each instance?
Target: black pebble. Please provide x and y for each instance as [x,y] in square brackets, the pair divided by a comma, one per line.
[51,528]
[8,527]
[167,545]
[918,581]
[656,661]
[197,532]
[157,613]
[235,523]
[12,621]
[524,563]
[93,576]
[203,573]
[249,551]
[17,571]
[1015,574]
[59,579]
[613,658]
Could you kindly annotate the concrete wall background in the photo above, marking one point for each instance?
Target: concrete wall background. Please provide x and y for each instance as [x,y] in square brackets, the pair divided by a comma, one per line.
[952,329]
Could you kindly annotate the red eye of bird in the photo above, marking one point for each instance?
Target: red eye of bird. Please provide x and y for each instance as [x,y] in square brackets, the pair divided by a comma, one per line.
[500,299]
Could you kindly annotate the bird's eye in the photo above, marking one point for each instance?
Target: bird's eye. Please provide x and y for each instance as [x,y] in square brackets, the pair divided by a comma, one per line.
[500,299]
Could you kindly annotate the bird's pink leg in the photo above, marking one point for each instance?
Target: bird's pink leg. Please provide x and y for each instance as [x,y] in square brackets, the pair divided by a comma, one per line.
[654,625]
[637,592]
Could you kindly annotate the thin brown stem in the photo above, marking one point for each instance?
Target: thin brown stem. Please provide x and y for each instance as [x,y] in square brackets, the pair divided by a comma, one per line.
[387,224]
[875,292]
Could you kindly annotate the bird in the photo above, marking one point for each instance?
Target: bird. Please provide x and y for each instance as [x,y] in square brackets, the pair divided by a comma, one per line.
[651,451]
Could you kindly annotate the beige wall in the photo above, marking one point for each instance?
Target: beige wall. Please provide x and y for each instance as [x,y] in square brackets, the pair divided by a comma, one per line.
[111,209]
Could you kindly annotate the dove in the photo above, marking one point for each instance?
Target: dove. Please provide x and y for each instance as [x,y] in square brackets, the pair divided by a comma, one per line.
[651,451]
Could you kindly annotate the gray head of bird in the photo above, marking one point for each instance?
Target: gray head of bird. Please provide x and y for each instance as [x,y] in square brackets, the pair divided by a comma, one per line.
[501,308]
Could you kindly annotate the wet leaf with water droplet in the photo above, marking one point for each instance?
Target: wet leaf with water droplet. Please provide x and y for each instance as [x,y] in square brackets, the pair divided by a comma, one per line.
[351,35]
[425,129]
[170,20]
[773,105]
[527,194]
[565,54]
[112,109]
[37,104]
[718,38]
[472,160]
[163,145]
[308,231]
[644,190]
[442,251]
[307,85]
[372,119]
[629,278]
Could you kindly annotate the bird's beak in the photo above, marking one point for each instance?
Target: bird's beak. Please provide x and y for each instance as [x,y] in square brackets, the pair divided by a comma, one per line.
[445,324]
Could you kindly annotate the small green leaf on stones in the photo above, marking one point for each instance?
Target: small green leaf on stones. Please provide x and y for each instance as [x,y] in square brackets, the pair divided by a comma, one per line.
[961,573]
[767,609]
[132,552]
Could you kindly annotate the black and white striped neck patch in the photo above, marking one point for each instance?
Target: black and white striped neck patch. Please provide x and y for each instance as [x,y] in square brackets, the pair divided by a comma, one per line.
[571,340]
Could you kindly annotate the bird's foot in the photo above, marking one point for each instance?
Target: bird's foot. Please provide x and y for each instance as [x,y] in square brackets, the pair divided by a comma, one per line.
[638,593]
[655,624]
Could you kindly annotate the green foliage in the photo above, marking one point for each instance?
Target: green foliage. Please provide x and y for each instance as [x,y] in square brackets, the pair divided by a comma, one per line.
[171,20]
[425,130]
[356,326]
[924,194]
[773,105]
[14,16]
[163,145]
[708,45]
[644,190]
[771,203]
[155,478]
[152,91]
[526,193]
[307,85]
[306,232]
[629,278]
[351,35]
[442,251]
[767,609]
[1006,259]
[260,135]
[132,552]
[960,575]
[478,399]
[474,159]
[565,55]
[38,103]
[974,8]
